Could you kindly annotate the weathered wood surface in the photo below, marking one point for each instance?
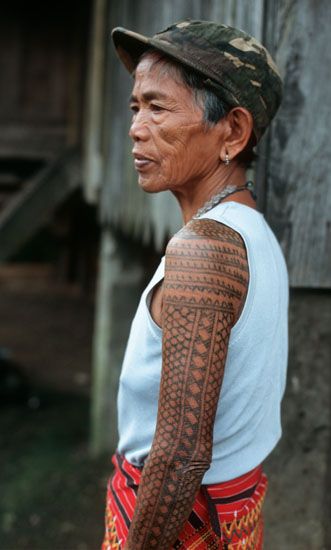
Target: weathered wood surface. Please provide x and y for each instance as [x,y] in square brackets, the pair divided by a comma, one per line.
[298,504]
[32,207]
[92,176]
[118,294]
[148,216]
[298,203]
[42,50]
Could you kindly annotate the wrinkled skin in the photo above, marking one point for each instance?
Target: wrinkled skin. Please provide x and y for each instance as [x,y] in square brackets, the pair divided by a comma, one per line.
[167,127]
[185,155]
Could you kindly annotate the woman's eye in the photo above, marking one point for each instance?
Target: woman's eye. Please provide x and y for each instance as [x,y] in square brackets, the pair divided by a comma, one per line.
[134,108]
[156,108]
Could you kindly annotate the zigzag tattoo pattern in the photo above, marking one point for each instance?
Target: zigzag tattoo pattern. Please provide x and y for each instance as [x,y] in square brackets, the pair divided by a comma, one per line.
[205,285]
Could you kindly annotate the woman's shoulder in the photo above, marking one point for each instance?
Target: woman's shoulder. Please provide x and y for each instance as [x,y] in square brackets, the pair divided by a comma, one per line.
[205,230]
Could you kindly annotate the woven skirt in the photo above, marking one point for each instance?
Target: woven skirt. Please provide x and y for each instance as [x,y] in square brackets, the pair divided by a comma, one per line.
[225,516]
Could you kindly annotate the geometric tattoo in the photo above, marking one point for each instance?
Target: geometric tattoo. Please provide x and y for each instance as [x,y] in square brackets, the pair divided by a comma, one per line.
[203,293]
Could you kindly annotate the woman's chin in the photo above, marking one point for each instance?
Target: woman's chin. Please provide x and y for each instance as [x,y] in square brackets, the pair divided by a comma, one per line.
[149,185]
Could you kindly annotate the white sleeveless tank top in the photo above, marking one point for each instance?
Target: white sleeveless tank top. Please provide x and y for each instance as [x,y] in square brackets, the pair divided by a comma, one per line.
[247,424]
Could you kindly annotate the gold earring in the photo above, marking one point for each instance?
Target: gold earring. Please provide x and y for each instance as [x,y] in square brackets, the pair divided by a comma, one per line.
[226,160]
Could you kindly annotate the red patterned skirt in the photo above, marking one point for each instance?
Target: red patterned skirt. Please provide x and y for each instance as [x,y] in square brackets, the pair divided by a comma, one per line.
[224,516]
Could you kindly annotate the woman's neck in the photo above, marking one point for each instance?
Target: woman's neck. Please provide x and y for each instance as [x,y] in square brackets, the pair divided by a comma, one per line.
[193,196]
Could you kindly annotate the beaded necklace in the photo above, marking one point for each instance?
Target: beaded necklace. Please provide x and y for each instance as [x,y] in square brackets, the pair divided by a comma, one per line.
[226,192]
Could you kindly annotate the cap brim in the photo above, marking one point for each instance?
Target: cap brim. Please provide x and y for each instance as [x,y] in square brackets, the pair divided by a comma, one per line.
[129,46]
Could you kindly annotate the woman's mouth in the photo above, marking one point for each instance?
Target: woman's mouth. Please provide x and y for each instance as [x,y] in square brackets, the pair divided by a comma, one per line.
[141,162]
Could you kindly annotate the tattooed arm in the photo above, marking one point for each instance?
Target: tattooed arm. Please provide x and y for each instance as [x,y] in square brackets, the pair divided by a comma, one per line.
[205,285]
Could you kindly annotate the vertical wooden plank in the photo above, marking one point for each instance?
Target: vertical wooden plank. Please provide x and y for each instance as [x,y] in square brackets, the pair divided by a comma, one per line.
[268,37]
[117,295]
[93,119]
[250,17]
[105,377]
[299,180]
[10,64]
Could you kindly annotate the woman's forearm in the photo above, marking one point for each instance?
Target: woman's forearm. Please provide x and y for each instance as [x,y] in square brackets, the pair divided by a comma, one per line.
[165,498]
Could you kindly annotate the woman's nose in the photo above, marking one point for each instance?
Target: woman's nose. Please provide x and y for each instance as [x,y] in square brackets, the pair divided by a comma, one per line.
[139,127]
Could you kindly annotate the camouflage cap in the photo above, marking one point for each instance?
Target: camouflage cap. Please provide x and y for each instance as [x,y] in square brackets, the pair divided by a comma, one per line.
[235,66]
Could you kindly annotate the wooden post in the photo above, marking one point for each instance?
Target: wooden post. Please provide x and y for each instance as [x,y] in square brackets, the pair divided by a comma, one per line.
[105,373]
[92,172]
[118,291]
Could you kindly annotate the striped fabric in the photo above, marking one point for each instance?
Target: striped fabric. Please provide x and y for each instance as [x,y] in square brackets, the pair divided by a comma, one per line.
[224,516]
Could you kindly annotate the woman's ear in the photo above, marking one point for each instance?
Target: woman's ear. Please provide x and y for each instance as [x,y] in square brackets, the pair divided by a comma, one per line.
[239,130]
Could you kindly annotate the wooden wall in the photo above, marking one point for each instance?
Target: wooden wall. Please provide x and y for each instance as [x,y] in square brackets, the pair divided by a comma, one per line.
[42,50]
[298,176]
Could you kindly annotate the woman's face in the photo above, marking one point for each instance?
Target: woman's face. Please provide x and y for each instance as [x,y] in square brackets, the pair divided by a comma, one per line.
[172,145]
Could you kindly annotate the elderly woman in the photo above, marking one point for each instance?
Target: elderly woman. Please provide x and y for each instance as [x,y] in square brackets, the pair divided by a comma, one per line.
[205,365]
